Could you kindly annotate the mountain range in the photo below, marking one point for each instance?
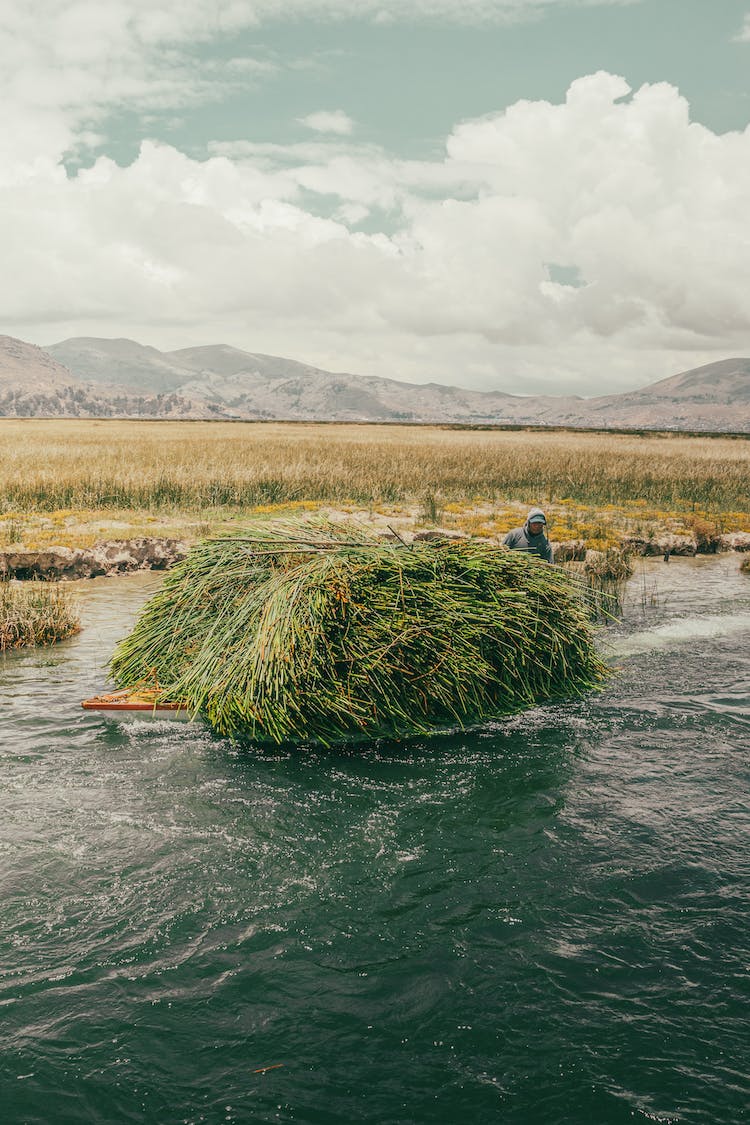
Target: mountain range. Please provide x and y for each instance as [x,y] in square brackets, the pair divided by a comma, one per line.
[92,377]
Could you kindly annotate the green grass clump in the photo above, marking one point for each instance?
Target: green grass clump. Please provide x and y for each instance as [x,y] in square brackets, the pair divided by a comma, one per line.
[275,636]
[35,613]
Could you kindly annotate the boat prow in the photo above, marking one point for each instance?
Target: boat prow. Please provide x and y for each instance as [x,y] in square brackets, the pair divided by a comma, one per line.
[135,704]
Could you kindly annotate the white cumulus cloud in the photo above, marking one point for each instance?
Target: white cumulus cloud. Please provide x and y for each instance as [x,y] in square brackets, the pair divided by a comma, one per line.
[66,65]
[600,241]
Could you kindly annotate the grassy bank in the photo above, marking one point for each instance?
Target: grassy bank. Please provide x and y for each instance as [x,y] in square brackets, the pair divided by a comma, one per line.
[35,613]
[62,479]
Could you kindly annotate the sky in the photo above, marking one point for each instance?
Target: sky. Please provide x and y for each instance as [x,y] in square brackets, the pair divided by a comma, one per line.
[534,196]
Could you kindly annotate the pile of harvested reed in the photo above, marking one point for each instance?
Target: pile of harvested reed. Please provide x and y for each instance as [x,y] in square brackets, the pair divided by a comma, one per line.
[281,637]
[35,613]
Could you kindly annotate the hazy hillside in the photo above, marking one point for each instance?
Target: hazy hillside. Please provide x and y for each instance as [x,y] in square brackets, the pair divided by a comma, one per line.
[25,367]
[91,377]
[715,396]
[222,360]
[34,384]
[121,363]
[727,381]
[253,385]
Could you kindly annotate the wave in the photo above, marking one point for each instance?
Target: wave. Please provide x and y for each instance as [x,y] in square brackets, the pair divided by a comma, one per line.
[678,632]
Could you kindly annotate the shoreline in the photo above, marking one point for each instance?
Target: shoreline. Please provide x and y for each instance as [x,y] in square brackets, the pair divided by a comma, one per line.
[146,553]
[107,559]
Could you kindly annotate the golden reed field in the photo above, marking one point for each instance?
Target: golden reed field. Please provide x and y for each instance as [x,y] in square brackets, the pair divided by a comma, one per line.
[161,470]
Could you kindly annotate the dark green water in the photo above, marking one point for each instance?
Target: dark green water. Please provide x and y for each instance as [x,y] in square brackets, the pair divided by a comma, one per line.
[545,921]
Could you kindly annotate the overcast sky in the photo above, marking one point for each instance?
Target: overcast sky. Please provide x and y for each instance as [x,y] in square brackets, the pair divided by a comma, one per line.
[521,195]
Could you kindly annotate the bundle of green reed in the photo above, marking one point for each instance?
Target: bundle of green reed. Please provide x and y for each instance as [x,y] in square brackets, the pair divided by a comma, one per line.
[321,634]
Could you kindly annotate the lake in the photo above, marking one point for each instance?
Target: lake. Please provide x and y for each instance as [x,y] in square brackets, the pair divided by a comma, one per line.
[545,920]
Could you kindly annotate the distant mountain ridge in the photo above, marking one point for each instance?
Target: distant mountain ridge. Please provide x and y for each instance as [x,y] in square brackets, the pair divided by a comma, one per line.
[33,384]
[257,386]
[94,377]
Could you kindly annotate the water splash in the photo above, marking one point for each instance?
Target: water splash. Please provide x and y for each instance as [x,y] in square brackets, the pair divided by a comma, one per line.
[680,631]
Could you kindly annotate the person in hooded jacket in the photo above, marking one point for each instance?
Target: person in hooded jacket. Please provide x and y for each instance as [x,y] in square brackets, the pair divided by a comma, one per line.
[531,537]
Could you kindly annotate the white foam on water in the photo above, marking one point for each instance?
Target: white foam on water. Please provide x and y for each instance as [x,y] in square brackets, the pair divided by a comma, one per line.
[680,631]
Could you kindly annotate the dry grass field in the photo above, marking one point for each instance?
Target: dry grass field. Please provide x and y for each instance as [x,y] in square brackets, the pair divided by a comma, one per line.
[152,476]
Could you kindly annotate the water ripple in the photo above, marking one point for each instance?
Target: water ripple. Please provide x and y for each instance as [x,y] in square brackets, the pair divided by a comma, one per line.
[540,920]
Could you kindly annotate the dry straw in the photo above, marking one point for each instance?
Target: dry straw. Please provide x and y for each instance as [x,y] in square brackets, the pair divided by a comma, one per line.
[35,613]
[322,634]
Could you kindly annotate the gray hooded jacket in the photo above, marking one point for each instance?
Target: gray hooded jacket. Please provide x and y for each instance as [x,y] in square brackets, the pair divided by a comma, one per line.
[521,539]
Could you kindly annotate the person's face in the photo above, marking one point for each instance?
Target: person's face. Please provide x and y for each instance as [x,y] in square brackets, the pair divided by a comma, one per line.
[536,527]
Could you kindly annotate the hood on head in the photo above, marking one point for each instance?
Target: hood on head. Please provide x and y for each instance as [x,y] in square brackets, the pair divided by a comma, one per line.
[536,515]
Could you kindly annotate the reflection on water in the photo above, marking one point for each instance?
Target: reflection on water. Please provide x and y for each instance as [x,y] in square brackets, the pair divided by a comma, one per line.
[544,920]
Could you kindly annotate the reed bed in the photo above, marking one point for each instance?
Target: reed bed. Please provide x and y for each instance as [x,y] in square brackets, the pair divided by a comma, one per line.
[51,465]
[603,576]
[325,634]
[35,613]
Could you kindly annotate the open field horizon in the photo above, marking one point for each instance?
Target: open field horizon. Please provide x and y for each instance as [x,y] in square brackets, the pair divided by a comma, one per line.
[72,481]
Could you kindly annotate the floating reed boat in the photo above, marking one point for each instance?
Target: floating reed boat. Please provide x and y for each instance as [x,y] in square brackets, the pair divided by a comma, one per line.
[323,634]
